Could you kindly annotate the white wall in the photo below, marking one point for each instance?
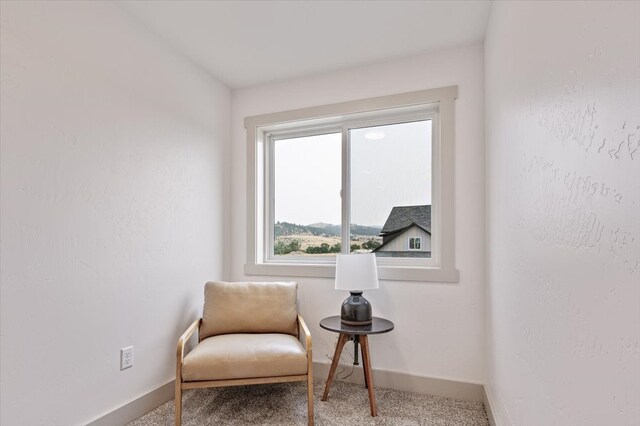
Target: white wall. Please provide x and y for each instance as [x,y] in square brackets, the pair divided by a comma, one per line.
[563,212]
[439,327]
[113,186]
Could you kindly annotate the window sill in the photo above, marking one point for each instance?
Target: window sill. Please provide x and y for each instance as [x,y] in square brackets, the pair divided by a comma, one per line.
[388,273]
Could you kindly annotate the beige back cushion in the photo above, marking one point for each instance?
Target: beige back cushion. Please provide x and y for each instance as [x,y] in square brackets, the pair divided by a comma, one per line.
[268,307]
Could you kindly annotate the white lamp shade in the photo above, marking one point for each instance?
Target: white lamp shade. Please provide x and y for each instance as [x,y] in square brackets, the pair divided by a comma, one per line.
[355,272]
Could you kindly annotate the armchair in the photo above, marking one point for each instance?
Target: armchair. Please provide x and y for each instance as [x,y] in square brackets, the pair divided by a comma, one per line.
[248,334]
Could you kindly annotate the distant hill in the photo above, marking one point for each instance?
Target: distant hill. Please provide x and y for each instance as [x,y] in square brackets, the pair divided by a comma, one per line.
[286,228]
[326,229]
[365,230]
[321,225]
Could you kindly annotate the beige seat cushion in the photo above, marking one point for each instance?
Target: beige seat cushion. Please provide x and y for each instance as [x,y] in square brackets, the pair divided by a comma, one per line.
[242,356]
[268,307]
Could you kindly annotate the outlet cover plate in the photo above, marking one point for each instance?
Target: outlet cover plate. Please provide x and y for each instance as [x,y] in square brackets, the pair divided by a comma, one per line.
[126,357]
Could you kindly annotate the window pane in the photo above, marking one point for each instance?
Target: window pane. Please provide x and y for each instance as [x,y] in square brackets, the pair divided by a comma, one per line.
[307,216]
[391,190]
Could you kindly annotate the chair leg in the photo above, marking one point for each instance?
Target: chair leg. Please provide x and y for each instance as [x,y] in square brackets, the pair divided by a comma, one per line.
[309,388]
[310,398]
[178,403]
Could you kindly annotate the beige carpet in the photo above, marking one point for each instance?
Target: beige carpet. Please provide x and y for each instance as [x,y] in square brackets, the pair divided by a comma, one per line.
[286,404]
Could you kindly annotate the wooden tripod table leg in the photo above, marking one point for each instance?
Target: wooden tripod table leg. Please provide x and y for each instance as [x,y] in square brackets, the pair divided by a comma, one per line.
[334,364]
[366,385]
[364,341]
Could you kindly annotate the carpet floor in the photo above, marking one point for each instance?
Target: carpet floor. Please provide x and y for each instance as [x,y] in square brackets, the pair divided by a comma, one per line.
[286,404]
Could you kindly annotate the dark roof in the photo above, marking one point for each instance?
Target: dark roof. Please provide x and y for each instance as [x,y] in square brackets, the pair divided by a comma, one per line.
[402,217]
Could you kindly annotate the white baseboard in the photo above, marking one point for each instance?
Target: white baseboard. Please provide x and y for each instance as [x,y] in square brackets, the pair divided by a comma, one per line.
[381,378]
[488,408]
[410,383]
[140,406]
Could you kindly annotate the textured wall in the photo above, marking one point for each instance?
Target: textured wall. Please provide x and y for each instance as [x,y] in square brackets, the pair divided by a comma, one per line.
[112,189]
[439,327]
[563,212]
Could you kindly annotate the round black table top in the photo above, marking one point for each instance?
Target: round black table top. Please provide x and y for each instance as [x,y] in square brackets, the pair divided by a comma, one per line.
[377,326]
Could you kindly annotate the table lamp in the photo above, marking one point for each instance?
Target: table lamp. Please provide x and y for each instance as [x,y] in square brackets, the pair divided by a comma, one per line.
[356,273]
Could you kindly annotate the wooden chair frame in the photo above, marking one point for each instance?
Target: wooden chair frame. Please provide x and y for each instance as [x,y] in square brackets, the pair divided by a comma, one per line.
[180,385]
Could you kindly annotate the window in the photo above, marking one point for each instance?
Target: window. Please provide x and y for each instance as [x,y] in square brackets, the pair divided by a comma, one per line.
[365,176]
[414,243]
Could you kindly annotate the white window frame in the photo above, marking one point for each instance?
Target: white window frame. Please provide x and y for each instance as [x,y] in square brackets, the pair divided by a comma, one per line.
[434,104]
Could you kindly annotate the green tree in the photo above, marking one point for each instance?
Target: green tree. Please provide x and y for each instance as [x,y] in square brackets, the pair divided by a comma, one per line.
[281,247]
[371,245]
[294,245]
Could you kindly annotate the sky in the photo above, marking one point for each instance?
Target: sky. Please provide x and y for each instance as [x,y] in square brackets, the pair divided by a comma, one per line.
[390,166]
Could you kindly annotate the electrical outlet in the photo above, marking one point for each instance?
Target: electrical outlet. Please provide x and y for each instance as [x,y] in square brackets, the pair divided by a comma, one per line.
[126,357]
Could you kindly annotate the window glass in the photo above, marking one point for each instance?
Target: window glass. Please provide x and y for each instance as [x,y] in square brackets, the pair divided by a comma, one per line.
[307,203]
[415,243]
[391,184]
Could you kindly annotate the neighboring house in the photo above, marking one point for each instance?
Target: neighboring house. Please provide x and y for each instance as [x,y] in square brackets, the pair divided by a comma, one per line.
[407,232]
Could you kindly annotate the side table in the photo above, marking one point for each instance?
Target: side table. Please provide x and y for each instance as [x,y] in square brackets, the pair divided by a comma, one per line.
[359,335]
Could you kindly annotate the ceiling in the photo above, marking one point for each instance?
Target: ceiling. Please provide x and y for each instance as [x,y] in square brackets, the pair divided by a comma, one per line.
[245,43]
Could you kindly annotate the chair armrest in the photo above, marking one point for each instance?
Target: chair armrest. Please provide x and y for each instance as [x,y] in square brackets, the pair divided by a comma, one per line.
[307,334]
[181,342]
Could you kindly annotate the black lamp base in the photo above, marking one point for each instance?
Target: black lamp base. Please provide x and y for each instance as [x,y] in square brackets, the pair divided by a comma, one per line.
[356,310]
